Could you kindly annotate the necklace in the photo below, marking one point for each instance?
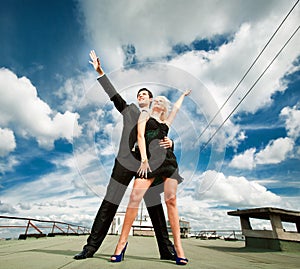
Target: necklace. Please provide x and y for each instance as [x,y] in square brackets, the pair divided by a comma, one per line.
[157,118]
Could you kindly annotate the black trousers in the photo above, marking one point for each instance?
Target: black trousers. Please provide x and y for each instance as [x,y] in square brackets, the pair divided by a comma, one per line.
[117,186]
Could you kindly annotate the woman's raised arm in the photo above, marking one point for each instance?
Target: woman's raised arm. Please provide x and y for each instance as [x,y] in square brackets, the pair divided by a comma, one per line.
[176,107]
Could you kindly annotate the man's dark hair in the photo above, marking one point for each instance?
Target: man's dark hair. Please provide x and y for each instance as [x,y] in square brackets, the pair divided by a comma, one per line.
[145,89]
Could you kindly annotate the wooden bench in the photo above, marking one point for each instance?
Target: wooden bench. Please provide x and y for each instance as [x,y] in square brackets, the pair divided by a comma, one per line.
[277,238]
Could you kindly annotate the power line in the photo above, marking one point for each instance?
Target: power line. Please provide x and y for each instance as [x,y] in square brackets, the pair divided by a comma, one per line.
[249,89]
[234,90]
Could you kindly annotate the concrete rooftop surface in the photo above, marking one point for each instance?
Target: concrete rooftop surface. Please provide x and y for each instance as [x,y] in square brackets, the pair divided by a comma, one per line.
[57,252]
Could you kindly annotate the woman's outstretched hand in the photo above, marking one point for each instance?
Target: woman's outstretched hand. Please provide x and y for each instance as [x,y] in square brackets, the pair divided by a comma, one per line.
[187,92]
[95,62]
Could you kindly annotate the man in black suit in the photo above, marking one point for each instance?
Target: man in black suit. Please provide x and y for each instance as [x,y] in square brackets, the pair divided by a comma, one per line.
[124,170]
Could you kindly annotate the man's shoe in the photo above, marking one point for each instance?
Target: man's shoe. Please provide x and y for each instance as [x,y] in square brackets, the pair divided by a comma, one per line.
[170,257]
[83,255]
[170,254]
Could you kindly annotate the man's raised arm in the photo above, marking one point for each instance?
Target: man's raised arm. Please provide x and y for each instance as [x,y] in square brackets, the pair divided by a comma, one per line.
[119,102]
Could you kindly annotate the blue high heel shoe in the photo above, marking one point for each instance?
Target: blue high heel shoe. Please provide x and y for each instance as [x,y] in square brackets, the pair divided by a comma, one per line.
[180,261]
[120,257]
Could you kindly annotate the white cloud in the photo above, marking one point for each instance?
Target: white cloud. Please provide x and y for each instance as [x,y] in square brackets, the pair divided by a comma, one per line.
[206,199]
[9,164]
[62,195]
[80,91]
[6,208]
[153,27]
[24,112]
[203,216]
[244,160]
[7,141]
[221,70]
[275,152]
[235,191]
[292,121]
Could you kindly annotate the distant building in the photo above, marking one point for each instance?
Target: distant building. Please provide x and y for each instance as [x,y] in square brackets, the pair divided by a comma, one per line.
[185,228]
[143,226]
[117,223]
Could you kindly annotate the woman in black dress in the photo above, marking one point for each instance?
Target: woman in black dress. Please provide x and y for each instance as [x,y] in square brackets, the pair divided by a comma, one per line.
[155,162]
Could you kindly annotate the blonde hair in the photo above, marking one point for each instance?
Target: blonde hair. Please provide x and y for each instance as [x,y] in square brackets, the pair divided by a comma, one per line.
[166,104]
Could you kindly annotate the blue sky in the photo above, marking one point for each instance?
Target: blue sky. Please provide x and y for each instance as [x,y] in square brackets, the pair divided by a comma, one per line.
[59,132]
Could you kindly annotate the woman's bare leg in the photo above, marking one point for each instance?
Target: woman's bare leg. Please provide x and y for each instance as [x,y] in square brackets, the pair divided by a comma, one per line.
[140,186]
[170,189]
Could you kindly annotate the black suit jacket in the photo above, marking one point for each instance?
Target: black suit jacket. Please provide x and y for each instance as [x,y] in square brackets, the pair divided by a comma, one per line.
[130,113]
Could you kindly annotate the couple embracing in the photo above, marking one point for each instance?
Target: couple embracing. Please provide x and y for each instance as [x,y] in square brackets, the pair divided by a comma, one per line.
[145,153]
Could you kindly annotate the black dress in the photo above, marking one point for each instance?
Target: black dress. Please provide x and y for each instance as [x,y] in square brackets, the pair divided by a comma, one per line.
[162,161]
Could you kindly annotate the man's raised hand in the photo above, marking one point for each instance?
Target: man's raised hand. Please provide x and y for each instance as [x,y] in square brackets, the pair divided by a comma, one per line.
[96,62]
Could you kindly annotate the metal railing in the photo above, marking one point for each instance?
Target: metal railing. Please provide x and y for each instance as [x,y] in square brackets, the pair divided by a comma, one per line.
[227,235]
[40,227]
